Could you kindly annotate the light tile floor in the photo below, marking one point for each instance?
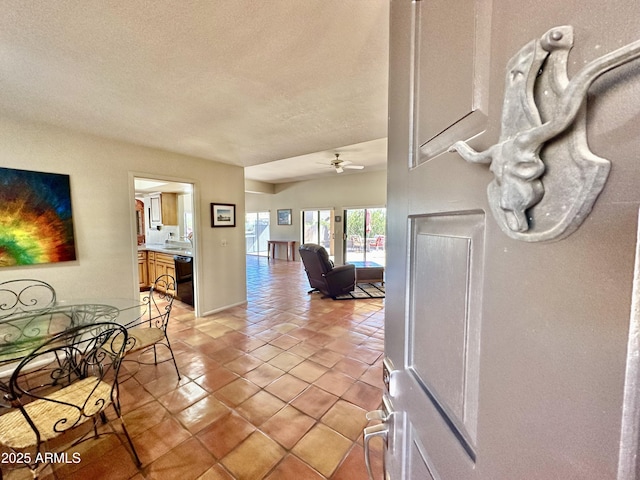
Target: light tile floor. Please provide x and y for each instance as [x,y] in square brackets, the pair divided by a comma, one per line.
[275,389]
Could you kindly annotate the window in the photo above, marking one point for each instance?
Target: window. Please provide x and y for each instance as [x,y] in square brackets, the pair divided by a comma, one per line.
[256,226]
[317,227]
[188,223]
[365,235]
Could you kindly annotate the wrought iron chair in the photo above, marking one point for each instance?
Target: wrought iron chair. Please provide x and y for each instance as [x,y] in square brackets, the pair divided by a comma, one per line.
[25,295]
[147,333]
[21,334]
[26,315]
[76,383]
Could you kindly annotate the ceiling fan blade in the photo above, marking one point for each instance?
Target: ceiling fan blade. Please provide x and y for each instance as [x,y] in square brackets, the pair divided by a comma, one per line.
[340,165]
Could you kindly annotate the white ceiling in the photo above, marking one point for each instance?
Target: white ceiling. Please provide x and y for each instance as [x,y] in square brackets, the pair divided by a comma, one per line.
[243,82]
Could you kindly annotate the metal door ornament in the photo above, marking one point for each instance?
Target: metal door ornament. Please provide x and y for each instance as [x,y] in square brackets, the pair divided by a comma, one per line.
[546,179]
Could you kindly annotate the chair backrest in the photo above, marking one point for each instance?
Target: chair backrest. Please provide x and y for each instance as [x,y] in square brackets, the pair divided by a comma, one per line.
[161,296]
[21,333]
[25,295]
[315,259]
[316,263]
[73,374]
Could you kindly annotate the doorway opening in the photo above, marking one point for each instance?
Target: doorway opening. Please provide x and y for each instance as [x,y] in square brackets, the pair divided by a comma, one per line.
[317,227]
[256,232]
[364,235]
[165,228]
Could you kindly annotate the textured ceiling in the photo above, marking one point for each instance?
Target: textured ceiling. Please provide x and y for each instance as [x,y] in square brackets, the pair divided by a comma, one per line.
[243,82]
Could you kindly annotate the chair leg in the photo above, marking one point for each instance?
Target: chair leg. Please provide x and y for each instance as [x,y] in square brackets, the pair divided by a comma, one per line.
[134,453]
[136,459]
[173,357]
[95,425]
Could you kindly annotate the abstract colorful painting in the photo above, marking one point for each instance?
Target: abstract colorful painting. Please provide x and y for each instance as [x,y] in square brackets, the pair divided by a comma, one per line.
[36,225]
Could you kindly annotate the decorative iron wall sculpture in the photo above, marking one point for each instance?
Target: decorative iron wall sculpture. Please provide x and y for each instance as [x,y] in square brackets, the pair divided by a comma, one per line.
[546,179]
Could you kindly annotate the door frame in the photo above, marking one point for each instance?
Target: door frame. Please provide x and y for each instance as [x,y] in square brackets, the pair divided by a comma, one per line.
[195,200]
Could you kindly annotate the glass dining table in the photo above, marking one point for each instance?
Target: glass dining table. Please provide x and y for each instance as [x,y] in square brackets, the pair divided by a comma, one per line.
[23,332]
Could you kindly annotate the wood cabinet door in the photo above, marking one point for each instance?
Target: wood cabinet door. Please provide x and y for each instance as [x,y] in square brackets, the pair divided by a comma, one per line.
[155,210]
[161,269]
[171,270]
[169,208]
[143,269]
[151,267]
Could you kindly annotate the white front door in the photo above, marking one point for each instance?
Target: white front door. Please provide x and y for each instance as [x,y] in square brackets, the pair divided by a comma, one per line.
[507,358]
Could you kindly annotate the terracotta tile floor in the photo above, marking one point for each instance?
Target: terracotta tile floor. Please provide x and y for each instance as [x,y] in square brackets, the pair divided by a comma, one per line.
[275,389]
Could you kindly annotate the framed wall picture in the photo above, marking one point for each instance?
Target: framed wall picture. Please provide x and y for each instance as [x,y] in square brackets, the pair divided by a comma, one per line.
[284,216]
[223,215]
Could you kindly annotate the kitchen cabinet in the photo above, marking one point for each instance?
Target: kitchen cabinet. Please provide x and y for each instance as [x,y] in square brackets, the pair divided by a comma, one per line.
[160,264]
[153,264]
[151,267]
[169,202]
[163,209]
[155,210]
[165,265]
[143,275]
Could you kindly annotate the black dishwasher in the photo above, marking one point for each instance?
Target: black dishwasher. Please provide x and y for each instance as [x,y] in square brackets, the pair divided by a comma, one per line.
[184,279]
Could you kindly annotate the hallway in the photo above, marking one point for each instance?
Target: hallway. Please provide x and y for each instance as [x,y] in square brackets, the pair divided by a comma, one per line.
[275,389]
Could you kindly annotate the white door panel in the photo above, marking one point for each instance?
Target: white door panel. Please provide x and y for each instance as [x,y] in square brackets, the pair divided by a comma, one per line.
[508,357]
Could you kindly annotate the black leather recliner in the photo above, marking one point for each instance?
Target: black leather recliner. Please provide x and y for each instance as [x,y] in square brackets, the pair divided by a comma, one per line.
[323,275]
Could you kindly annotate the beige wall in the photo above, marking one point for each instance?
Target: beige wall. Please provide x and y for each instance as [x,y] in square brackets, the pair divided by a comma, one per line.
[337,192]
[101,173]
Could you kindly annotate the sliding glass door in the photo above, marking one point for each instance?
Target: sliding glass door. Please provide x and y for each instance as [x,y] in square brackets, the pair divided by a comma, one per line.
[256,226]
[317,227]
[364,238]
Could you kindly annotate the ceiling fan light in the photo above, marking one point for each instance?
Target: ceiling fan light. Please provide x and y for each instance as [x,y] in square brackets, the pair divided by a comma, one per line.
[339,169]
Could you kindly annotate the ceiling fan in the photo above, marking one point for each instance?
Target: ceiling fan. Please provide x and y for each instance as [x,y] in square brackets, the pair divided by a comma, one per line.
[340,165]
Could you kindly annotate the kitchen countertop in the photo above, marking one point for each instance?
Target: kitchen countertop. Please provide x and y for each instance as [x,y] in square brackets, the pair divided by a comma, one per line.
[168,249]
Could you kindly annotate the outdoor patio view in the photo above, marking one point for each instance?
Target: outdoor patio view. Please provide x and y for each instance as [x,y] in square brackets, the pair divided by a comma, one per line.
[364,239]
[317,228]
[365,235]
[256,227]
